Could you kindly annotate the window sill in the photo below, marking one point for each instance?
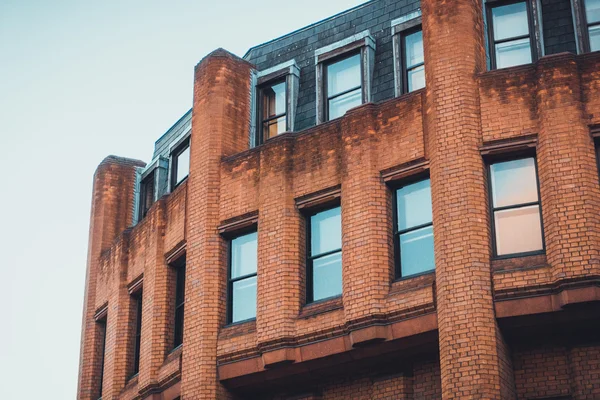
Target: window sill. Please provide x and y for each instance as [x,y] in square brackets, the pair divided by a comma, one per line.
[519,255]
[321,306]
[531,261]
[176,352]
[412,282]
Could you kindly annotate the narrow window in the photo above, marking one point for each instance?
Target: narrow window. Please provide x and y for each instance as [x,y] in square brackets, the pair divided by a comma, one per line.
[180,164]
[243,259]
[510,34]
[343,87]
[273,111]
[146,195]
[516,214]
[138,334]
[324,264]
[179,303]
[413,61]
[102,339]
[592,20]
[413,236]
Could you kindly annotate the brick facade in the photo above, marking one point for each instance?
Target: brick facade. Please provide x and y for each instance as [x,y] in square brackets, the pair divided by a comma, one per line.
[477,328]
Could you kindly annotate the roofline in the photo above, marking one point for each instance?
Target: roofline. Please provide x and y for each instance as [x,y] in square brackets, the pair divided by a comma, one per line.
[309,26]
[172,126]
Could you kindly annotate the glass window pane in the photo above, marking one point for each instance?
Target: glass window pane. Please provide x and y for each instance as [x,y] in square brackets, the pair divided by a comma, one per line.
[595,38]
[516,52]
[243,255]
[244,300]
[518,230]
[413,46]
[274,127]
[592,11]
[183,165]
[514,182]
[416,78]
[274,100]
[327,276]
[343,75]
[326,231]
[339,105]
[414,205]
[510,21]
[416,251]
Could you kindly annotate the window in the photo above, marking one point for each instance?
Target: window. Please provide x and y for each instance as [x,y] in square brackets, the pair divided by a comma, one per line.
[138,334]
[516,214]
[102,339]
[273,110]
[243,259]
[343,86]
[511,42]
[146,195]
[180,164]
[179,302]
[592,21]
[413,61]
[324,264]
[413,233]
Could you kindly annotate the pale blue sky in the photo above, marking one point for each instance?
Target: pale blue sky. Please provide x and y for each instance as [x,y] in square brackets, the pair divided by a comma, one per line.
[79,80]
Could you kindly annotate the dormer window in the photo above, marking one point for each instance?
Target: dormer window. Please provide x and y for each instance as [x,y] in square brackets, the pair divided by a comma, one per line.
[146,195]
[409,57]
[273,109]
[344,86]
[180,163]
[592,20]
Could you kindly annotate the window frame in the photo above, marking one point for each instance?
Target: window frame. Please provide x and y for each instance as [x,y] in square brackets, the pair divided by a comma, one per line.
[144,207]
[309,295]
[260,134]
[103,323]
[416,178]
[137,337]
[402,54]
[533,46]
[175,153]
[325,80]
[180,281]
[585,26]
[491,209]
[230,281]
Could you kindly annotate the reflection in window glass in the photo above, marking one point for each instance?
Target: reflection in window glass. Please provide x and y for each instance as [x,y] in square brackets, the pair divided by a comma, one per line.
[242,278]
[592,15]
[511,42]
[325,260]
[244,299]
[414,61]
[183,165]
[414,205]
[274,110]
[344,86]
[516,52]
[595,38]
[516,207]
[244,255]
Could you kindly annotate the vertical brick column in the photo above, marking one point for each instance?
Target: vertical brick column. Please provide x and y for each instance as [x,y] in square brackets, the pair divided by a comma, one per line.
[468,334]
[365,241]
[112,212]
[567,171]
[220,126]
[279,253]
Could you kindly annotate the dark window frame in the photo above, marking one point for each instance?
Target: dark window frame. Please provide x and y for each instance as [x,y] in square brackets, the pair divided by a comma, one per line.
[103,323]
[230,281]
[180,278]
[489,6]
[137,297]
[397,233]
[260,134]
[309,295]
[145,203]
[403,60]
[324,87]
[175,163]
[496,159]
[585,25]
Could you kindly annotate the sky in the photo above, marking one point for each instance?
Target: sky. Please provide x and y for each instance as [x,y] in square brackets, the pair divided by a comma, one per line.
[80,80]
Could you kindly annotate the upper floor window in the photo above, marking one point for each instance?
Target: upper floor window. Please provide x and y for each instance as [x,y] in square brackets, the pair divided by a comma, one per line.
[324,264]
[343,86]
[273,109]
[146,195]
[137,338]
[592,20]
[516,213]
[101,334]
[243,259]
[414,229]
[413,61]
[510,38]
[180,164]
[179,302]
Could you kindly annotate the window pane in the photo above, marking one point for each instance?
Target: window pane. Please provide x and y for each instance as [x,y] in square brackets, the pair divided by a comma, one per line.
[327,276]
[416,78]
[413,45]
[595,38]
[339,105]
[514,182]
[183,165]
[518,230]
[243,255]
[343,75]
[516,52]
[510,21]
[416,251]
[274,100]
[592,11]
[414,205]
[274,127]
[178,326]
[244,299]
[326,231]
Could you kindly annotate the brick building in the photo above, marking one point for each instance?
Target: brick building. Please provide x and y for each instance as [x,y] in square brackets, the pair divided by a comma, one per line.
[398,202]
